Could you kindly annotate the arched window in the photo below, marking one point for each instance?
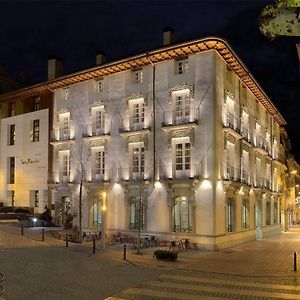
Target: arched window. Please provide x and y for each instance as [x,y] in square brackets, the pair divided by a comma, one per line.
[230,215]
[245,214]
[136,213]
[275,212]
[268,213]
[182,213]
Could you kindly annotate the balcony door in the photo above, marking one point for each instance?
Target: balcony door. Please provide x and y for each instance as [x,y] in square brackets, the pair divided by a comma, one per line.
[182,149]
[182,108]
[137,114]
[98,121]
[138,161]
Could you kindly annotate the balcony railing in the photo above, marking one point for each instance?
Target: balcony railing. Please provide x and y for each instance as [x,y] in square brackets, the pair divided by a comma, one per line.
[245,177]
[59,135]
[262,143]
[97,176]
[60,177]
[231,173]
[262,182]
[180,117]
[94,130]
[245,132]
[185,171]
[134,124]
[129,174]
[231,121]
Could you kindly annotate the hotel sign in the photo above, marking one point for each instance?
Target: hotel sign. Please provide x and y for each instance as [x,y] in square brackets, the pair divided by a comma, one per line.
[29,161]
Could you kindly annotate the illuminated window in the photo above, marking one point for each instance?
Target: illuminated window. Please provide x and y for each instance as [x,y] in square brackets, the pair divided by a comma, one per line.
[182,66]
[96,213]
[36,131]
[36,198]
[138,161]
[182,108]
[11,170]
[11,109]
[66,166]
[99,116]
[230,215]
[268,213]
[12,134]
[99,162]
[137,76]
[182,215]
[36,103]
[136,213]
[99,85]
[245,214]
[182,156]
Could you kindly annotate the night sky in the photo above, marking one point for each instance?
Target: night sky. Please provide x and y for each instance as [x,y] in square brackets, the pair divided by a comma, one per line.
[75,31]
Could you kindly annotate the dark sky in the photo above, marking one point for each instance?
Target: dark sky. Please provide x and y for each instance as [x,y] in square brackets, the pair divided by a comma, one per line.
[75,31]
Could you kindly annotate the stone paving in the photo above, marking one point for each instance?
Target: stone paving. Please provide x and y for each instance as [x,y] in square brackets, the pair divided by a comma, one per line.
[47,270]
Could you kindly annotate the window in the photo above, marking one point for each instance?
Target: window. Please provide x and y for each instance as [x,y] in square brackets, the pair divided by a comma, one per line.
[275,212]
[136,213]
[245,178]
[12,134]
[245,214]
[182,108]
[11,109]
[182,66]
[65,132]
[182,213]
[36,131]
[137,114]
[99,86]
[268,213]
[36,196]
[66,165]
[13,198]
[66,93]
[99,163]
[36,103]
[11,175]
[138,161]
[137,76]
[96,214]
[182,156]
[99,121]
[230,215]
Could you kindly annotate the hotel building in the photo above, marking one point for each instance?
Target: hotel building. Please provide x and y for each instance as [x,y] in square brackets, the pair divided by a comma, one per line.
[181,142]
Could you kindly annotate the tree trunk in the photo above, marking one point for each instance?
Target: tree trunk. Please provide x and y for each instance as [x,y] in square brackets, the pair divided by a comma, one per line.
[80,211]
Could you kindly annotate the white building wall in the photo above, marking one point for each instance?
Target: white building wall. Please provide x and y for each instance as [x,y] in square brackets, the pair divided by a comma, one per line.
[31,160]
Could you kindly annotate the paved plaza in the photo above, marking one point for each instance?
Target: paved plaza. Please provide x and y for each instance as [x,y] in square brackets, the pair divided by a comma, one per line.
[48,270]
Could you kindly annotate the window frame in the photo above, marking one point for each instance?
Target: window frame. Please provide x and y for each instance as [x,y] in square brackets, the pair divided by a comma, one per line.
[36,130]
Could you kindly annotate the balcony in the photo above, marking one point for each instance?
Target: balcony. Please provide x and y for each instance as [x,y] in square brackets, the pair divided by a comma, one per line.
[95,132]
[231,173]
[262,145]
[177,118]
[245,132]
[97,176]
[232,124]
[263,183]
[128,174]
[59,136]
[181,172]
[60,178]
[134,125]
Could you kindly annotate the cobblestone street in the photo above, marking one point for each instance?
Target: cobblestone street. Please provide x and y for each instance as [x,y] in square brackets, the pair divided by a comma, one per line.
[48,270]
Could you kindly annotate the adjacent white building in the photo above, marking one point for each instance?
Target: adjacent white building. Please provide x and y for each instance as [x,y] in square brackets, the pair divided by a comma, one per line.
[24,160]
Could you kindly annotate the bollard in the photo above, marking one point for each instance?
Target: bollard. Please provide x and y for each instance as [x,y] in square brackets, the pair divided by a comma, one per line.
[295,261]
[125,252]
[22,229]
[94,245]
[43,235]
[67,240]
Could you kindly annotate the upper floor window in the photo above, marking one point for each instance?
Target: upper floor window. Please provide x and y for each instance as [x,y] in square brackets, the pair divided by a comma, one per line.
[138,161]
[137,113]
[98,115]
[66,164]
[99,162]
[182,106]
[11,170]
[66,93]
[36,130]
[36,198]
[64,126]
[12,134]
[36,103]
[182,66]
[11,109]
[137,76]
[99,85]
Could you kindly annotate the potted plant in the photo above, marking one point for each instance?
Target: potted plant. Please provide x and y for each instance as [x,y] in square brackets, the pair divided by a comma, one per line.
[165,255]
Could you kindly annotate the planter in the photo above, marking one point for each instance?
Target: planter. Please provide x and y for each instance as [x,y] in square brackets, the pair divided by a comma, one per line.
[165,255]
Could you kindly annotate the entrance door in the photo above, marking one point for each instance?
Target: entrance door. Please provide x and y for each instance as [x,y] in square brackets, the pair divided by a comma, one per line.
[95,213]
[258,219]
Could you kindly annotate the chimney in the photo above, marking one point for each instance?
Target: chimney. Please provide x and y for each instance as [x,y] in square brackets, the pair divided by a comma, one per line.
[55,68]
[168,36]
[100,58]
